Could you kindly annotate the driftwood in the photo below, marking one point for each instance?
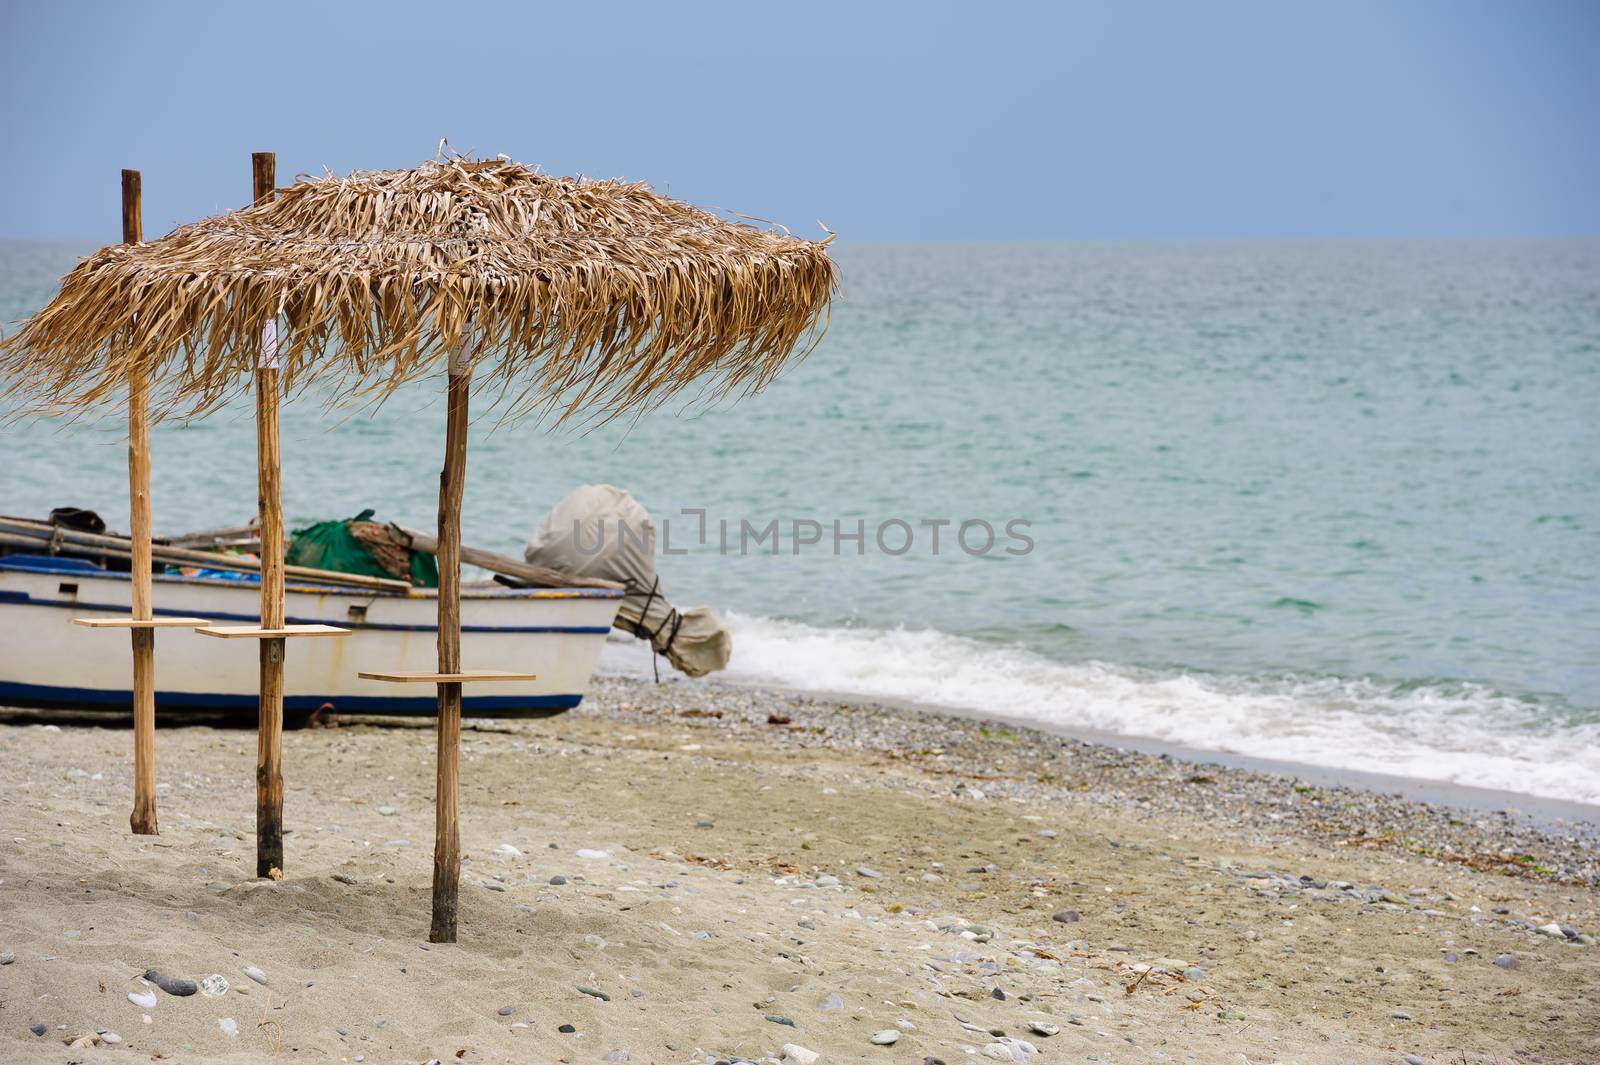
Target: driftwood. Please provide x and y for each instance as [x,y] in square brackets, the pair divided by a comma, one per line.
[116,547]
[537,576]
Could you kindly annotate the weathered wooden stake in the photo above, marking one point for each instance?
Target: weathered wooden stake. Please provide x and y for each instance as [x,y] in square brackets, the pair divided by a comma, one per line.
[269,719]
[447,841]
[143,818]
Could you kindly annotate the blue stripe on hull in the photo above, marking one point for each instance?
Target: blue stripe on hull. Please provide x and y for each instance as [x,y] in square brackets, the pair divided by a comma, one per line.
[23,599]
[41,695]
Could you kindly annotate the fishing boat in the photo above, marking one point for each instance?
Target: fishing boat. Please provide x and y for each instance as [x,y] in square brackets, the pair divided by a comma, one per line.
[47,661]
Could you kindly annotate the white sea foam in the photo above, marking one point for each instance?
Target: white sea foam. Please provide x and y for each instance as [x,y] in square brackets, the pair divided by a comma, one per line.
[1464,734]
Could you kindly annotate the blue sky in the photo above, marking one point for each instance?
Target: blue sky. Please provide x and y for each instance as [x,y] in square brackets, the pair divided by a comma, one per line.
[929,121]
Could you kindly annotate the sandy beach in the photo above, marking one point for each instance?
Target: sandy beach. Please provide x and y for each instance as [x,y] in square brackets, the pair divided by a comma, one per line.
[698,873]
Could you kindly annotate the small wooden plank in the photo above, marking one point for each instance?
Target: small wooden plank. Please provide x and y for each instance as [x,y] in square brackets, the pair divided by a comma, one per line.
[140,623]
[469,676]
[252,632]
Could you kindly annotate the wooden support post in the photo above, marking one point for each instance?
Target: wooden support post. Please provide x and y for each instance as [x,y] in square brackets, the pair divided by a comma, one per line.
[269,719]
[143,818]
[447,835]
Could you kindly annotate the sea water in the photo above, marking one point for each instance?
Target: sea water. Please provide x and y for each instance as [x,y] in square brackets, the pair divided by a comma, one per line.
[1332,502]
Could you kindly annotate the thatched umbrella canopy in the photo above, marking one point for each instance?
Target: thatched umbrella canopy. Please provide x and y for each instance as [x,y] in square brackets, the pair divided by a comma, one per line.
[600,296]
[584,297]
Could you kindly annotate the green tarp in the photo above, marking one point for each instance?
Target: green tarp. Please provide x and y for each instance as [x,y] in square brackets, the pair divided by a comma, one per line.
[331,545]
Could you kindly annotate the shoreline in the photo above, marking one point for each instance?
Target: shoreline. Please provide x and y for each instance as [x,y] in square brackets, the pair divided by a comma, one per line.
[1544,810]
[1547,812]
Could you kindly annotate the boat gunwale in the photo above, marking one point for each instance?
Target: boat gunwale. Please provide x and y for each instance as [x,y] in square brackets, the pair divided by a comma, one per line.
[43,564]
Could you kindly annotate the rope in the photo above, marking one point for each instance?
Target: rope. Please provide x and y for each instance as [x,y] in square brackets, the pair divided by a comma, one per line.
[673,618]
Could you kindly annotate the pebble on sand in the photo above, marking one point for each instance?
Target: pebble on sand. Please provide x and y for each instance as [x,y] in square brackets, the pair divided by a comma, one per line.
[255,974]
[143,999]
[229,1026]
[795,1054]
[887,1037]
[214,985]
[172,985]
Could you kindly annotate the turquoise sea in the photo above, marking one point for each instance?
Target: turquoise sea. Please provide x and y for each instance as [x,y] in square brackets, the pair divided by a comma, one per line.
[1332,502]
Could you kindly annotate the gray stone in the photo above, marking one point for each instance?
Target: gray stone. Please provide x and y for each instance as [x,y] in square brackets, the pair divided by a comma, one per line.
[1400,1015]
[886,1038]
[558,880]
[593,992]
[506,1011]
[255,974]
[1506,961]
[37,1029]
[1194,972]
[7,957]
[866,872]
[1067,917]
[172,985]
[778,1018]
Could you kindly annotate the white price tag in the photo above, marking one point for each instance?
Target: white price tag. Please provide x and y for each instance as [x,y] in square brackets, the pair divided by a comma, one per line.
[269,345]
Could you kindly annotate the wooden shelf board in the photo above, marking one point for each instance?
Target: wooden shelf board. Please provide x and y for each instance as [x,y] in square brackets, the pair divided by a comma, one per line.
[252,632]
[135,623]
[464,677]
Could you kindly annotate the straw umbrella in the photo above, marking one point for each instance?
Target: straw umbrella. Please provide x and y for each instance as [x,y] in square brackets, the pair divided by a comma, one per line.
[561,297]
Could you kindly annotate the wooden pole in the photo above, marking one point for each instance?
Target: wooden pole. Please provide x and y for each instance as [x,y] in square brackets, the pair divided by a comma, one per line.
[269,719]
[143,818]
[447,835]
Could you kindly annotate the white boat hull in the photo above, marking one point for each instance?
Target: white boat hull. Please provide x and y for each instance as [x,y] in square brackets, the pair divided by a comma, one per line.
[46,661]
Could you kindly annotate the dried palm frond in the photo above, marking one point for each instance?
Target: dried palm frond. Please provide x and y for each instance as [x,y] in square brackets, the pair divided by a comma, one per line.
[567,294]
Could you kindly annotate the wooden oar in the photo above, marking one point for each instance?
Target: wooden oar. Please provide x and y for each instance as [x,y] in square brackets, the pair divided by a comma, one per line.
[41,532]
[541,576]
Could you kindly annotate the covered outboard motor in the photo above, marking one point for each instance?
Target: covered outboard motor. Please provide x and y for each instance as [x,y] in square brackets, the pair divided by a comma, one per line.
[598,530]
